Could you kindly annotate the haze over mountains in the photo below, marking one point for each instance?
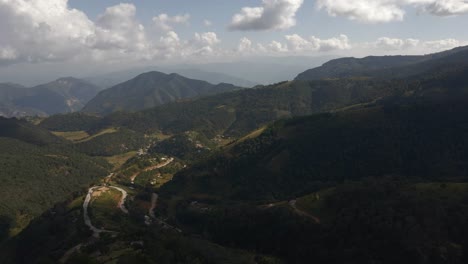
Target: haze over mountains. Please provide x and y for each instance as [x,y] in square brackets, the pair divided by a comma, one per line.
[64,95]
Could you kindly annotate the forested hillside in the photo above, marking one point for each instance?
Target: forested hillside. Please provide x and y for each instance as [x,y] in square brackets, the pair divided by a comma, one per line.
[152,89]
[37,171]
[386,67]
[355,185]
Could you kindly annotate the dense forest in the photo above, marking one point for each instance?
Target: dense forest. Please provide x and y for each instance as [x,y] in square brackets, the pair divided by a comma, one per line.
[36,177]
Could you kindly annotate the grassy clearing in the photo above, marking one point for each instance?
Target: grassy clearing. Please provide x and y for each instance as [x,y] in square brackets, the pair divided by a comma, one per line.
[105,212]
[102,132]
[83,136]
[118,160]
[159,136]
[72,136]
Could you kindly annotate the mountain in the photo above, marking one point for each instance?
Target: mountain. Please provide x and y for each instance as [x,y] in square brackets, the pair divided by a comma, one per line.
[111,79]
[212,77]
[152,89]
[64,95]
[384,66]
[38,170]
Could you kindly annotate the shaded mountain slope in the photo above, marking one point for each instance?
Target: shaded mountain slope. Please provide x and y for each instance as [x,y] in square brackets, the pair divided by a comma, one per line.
[61,96]
[149,90]
[385,66]
[37,171]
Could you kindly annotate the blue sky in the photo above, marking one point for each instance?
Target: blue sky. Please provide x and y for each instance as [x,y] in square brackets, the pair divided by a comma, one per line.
[310,20]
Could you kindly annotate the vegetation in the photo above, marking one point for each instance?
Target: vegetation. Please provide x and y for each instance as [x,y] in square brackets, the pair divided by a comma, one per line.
[65,95]
[70,122]
[34,178]
[149,90]
[111,144]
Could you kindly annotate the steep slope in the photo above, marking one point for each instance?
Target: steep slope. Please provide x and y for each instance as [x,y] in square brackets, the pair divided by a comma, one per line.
[37,171]
[384,66]
[61,96]
[375,184]
[150,90]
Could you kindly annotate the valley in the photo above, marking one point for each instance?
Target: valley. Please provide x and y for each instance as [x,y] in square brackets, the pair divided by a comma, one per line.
[340,166]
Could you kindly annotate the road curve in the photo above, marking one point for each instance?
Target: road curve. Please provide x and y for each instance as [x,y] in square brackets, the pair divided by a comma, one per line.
[158,166]
[87,219]
[122,200]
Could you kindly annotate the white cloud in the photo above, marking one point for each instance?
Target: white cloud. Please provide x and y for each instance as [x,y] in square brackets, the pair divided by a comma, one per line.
[378,11]
[207,39]
[443,44]
[245,46]
[118,29]
[165,22]
[42,30]
[386,43]
[395,46]
[207,23]
[49,30]
[8,54]
[272,15]
[276,46]
[299,44]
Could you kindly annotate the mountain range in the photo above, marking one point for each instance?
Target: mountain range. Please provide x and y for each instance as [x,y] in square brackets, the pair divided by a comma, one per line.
[64,95]
[356,161]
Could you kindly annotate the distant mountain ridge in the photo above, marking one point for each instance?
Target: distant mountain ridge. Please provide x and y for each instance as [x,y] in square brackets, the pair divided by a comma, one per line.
[64,95]
[111,79]
[152,89]
[383,66]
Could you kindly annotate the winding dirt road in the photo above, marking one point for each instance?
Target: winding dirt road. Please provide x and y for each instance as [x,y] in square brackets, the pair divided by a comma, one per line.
[87,219]
[158,166]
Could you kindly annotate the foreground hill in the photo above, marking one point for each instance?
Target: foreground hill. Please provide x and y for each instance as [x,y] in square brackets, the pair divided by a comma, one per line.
[152,89]
[37,171]
[61,96]
[385,66]
[354,186]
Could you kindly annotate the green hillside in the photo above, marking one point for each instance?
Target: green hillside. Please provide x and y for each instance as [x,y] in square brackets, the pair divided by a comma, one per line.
[36,173]
[385,66]
[149,90]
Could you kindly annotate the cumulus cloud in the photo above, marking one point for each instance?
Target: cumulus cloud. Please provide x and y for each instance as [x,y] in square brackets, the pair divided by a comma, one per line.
[386,43]
[245,45]
[443,44]
[41,30]
[410,46]
[377,11]
[276,46]
[49,30]
[165,22]
[118,28]
[298,43]
[272,15]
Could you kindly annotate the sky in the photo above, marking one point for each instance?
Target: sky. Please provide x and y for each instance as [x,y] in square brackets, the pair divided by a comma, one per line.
[39,36]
